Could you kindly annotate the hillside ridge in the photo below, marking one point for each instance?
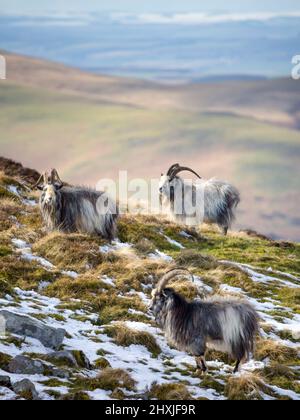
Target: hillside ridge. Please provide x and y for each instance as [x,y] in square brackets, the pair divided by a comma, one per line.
[92,297]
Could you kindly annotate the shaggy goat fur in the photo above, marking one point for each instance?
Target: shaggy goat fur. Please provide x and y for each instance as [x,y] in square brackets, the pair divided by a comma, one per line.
[210,201]
[226,325]
[76,209]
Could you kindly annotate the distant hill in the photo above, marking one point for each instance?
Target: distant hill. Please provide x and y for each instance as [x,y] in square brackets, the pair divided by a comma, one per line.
[91,126]
[275,101]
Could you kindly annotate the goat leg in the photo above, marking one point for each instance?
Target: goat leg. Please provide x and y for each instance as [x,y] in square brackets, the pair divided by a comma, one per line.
[201,363]
[237,366]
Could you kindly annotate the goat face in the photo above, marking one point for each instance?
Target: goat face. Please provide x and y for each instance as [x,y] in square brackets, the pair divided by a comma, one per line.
[165,185]
[160,304]
[49,195]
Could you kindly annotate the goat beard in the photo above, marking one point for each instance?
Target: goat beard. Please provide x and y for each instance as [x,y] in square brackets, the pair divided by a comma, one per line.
[49,208]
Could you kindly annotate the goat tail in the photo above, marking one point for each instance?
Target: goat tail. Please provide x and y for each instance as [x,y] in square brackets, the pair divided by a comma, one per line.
[109,230]
[243,341]
[232,199]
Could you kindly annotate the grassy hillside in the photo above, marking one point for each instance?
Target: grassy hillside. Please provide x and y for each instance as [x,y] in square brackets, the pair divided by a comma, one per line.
[99,293]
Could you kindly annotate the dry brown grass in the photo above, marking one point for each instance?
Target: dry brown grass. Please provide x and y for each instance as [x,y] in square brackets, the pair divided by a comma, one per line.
[124,336]
[170,392]
[245,387]
[70,252]
[109,379]
[276,352]
[193,258]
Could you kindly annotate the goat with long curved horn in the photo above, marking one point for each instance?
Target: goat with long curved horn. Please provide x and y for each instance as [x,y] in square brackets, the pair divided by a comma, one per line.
[211,201]
[226,325]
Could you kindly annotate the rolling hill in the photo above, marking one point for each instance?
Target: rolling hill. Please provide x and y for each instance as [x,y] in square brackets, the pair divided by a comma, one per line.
[90,126]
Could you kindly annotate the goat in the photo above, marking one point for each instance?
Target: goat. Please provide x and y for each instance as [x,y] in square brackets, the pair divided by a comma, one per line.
[226,325]
[211,201]
[76,209]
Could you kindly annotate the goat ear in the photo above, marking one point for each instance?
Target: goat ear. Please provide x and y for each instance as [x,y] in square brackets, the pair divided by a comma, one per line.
[58,186]
[167,293]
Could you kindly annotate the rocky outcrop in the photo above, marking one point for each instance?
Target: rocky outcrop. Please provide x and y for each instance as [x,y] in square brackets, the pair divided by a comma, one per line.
[26,389]
[15,169]
[28,327]
[25,365]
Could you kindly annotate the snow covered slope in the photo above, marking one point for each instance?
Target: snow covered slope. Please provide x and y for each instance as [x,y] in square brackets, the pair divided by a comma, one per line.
[98,293]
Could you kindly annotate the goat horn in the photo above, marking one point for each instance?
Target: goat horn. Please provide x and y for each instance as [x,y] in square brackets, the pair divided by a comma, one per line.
[54,175]
[171,169]
[184,168]
[43,177]
[169,275]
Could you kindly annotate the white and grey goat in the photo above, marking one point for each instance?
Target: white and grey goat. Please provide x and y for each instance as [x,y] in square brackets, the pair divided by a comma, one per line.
[209,201]
[76,209]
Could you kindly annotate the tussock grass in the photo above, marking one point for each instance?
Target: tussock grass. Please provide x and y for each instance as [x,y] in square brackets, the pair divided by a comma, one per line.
[276,352]
[133,228]
[4,361]
[281,376]
[245,387]
[109,379]
[193,258]
[10,209]
[170,392]
[107,304]
[27,275]
[102,363]
[124,336]
[235,277]
[72,252]
[76,396]
[290,297]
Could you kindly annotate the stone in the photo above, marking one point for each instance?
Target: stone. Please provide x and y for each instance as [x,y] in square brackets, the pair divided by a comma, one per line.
[5,381]
[26,390]
[23,365]
[28,327]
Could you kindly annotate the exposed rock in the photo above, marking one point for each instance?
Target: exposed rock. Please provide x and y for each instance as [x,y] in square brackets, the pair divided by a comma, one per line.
[25,365]
[15,169]
[59,373]
[26,390]
[28,327]
[5,381]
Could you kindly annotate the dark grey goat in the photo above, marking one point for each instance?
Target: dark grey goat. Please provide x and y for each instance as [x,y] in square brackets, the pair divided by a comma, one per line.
[226,325]
[76,209]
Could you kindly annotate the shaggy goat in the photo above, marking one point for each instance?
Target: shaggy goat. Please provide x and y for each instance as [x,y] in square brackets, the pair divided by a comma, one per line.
[211,201]
[76,209]
[226,325]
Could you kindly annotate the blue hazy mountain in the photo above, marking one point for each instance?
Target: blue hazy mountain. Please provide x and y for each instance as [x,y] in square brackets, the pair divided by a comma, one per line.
[176,47]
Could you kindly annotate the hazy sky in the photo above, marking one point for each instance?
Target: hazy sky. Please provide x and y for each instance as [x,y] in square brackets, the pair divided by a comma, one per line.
[21,6]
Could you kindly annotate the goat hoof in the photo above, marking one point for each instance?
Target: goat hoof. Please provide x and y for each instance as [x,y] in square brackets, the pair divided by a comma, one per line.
[200,372]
